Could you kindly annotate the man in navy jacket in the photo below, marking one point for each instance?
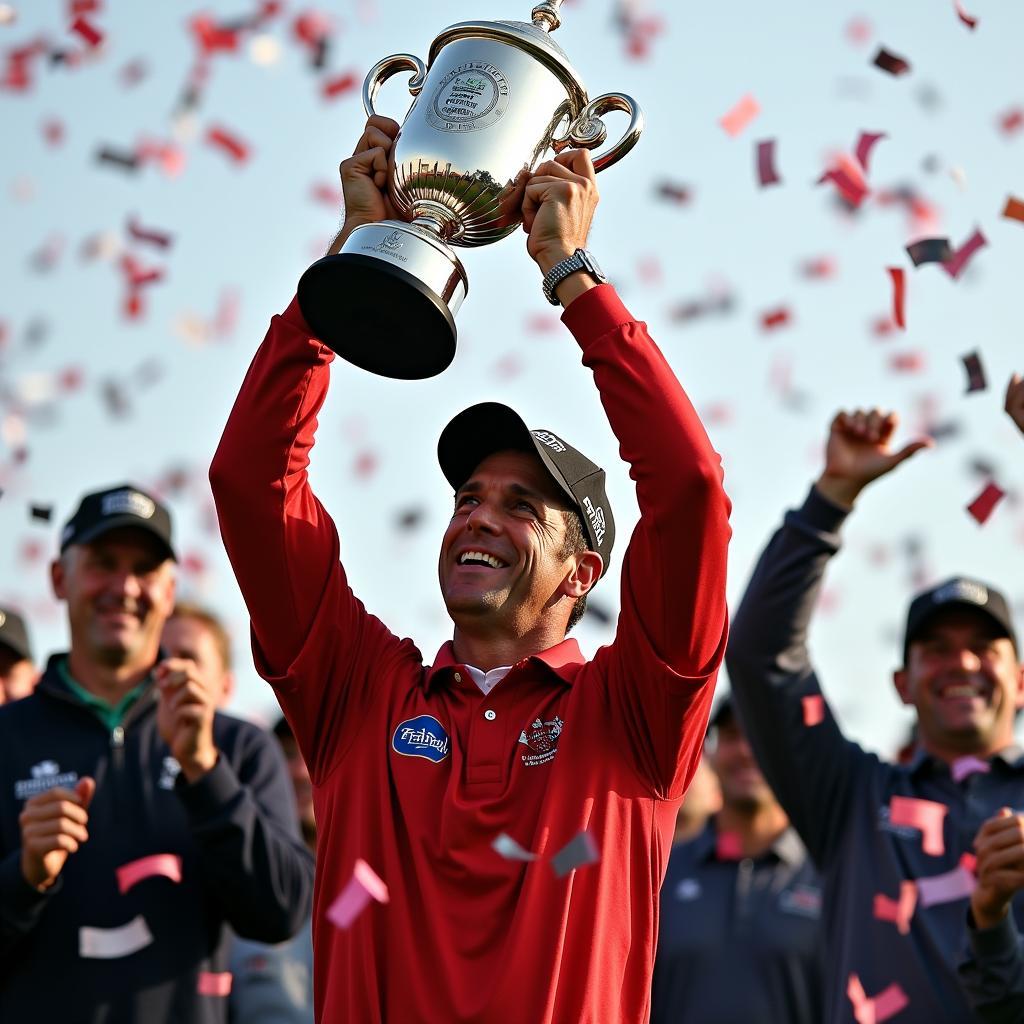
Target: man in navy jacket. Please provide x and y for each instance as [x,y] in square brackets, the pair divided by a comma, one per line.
[136,823]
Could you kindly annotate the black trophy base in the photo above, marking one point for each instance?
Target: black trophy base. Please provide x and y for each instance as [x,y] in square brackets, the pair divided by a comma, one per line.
[377,316]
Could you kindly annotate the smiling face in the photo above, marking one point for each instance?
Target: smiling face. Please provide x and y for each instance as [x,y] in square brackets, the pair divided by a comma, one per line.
[743,786]
[119,590]
[963,678]
[503,563]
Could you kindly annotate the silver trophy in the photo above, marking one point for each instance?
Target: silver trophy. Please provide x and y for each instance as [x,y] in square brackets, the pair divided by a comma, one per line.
[495,97]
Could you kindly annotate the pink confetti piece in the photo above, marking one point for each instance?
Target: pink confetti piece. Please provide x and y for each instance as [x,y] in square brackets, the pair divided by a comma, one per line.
[899,293]
[818,268]
[952,885]
[740,116]
[214,983]
[364,885]
[907,362]
[86,30]
[926,815]
[728,846]
[580,851]
[969,20]
[814,709]
[1012,121]
[337,86]
[158,865]
[878,1008]
[507,847]
[900,911]
[955,264]
[230,143]
[984,504]
[113,943]
[766,172]
[969,862]
[964,767]
[865,144]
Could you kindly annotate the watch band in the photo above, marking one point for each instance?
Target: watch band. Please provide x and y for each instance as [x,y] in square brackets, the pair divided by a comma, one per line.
[579,260]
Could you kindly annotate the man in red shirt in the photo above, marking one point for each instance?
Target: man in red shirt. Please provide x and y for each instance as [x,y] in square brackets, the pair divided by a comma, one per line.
[418,769]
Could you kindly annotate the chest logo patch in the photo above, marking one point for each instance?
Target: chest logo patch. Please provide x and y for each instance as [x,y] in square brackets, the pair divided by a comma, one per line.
[541,741]
[803,900]
[423,736]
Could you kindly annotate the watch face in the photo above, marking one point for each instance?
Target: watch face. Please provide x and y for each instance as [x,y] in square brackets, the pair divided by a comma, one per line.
[592,265]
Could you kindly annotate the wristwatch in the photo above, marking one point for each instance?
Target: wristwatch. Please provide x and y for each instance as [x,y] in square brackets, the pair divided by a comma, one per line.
[581,259]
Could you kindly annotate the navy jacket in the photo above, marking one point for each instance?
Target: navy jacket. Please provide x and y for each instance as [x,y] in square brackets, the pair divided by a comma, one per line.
[235,831]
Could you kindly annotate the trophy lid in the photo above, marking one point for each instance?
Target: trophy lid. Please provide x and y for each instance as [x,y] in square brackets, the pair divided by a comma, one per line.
[525,36]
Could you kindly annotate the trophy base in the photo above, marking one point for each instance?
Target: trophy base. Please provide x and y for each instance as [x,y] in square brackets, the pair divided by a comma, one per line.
[392,321]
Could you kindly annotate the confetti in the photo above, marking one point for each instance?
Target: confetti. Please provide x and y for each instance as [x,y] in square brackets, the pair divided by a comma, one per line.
[728,846]
[129,160]
[818,268]
[157,865]
[231,144]
[41,513]
[898,296]
[900,911]
[111,943]
[775,318]
[213,983]
[970,21]
[87,31]
[766,173]
[851,189]
[1014,208]
[975,372]
[956,262]
[332,88]
[865,144]
[740,116]
[926,815]
[890,62]
[984,504]
[1011,122]
[813,709]
[963,767]
[947,887]
[680,194]
[580,851]
[929,250]
[508,848]
[362,887]
[161,239]
[878,1008]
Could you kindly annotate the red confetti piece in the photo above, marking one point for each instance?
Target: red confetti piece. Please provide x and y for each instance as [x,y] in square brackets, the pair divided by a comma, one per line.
[338,86]
[740,116]
[898,296]
[364,885]
[878,1008]
[926,815]
[92,35]
[865,144]
[900,911]
[775,318]
[954,266]
[984,504]
[766,172]
[311,28]
[814,709]
[229,143]
[975,372]
[211,983]
[891,62]
[158,865]
[211,37]
[851,189]
[969,862]
[728,846]
[969,20]
[1012,121]
[1014,209]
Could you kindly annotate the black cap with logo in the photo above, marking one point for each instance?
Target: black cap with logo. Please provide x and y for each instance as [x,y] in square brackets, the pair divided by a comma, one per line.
[14,634]
[490,427]
[114,508]
[963,592]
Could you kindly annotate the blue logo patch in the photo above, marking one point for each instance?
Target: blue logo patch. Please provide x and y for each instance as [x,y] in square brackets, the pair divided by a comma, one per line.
[423,736]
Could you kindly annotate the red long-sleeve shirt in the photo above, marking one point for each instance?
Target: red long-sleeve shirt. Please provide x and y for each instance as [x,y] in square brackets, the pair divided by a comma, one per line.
[469,936]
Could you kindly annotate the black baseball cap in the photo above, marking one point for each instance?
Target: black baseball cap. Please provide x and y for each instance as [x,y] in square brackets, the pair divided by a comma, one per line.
[14,634]
[963,592]
[490,427]
[116,507]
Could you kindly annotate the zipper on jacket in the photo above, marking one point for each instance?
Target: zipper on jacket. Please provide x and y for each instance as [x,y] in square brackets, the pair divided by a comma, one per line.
[117,766]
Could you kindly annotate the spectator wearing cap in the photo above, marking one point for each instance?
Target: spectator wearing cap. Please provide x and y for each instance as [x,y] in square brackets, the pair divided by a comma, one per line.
[136,824]
[510,736]
[17,669]
[740,936]
[888,839]
[198,635]
[274,984]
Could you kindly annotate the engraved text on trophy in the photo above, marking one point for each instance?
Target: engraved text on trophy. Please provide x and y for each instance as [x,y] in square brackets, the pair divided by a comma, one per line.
[471,96]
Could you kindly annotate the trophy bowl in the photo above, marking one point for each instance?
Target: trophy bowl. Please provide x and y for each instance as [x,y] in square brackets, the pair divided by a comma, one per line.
[495,98]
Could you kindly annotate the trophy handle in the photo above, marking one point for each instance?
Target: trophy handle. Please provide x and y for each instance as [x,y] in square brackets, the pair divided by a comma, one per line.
[588,130]
[384,69]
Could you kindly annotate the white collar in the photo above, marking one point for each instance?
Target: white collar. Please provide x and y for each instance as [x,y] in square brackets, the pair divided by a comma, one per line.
[487,681]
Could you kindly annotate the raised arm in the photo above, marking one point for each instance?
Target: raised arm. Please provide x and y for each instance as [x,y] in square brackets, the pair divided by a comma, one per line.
[811,767]
[311,638]
[673,622]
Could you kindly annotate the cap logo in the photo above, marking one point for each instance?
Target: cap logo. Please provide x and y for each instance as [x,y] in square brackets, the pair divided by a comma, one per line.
[130,502]
[596,517]
[961,590]
[549,439]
